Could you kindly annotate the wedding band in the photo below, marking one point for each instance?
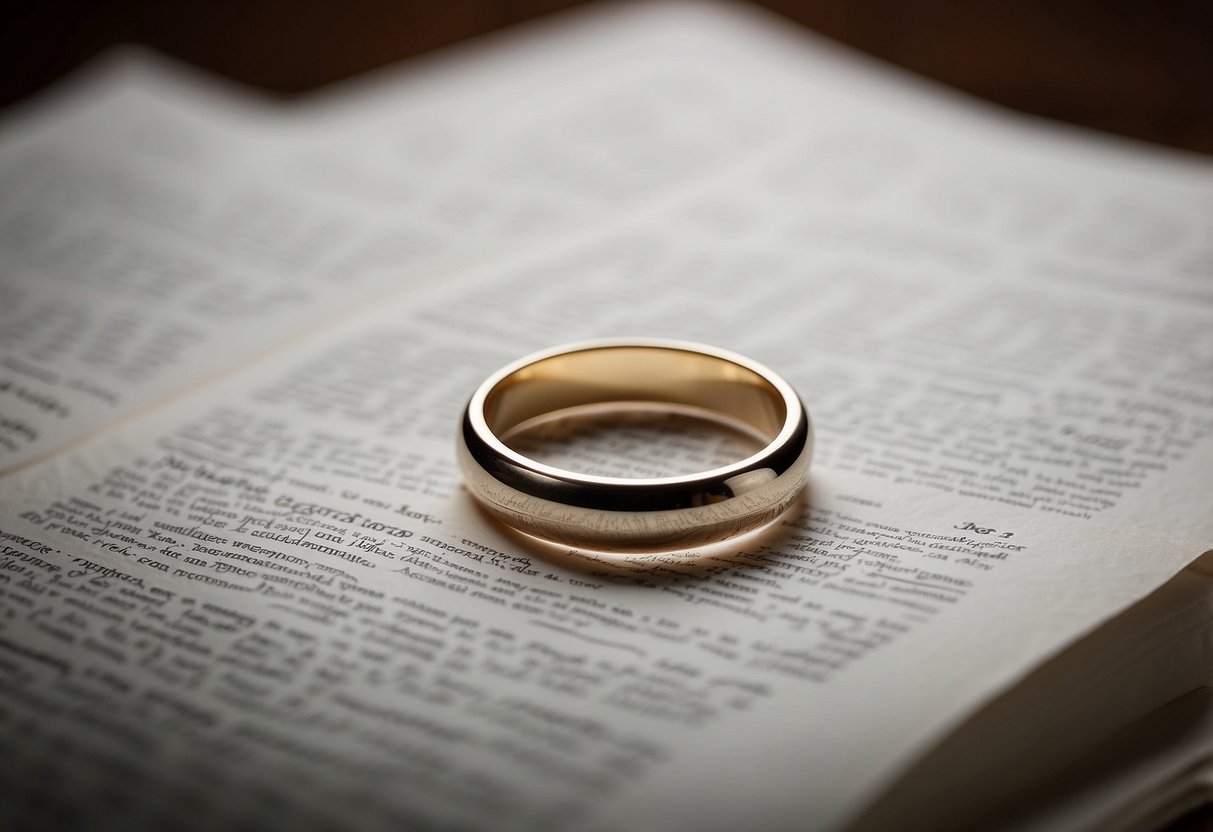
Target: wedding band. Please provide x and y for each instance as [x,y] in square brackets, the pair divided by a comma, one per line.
[619,514]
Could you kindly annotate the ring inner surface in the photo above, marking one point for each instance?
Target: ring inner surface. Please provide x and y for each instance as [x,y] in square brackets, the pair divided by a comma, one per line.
[636,374]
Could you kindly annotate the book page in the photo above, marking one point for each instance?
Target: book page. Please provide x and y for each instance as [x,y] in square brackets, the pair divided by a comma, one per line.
[167,229]
[1040,753]
[238,226]
[1163,762]
[274,589]
[122,280]
[277,588]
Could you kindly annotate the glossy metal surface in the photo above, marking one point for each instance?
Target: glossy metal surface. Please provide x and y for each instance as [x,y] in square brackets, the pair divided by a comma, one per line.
[624,514]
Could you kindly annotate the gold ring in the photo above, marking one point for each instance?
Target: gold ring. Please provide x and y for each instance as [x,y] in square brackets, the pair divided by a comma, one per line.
[618,514]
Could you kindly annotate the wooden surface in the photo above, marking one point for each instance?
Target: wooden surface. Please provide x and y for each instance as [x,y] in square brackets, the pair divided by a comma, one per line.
[1140,68]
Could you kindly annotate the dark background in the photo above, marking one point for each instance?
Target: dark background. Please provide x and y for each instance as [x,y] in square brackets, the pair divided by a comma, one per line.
[1140,68]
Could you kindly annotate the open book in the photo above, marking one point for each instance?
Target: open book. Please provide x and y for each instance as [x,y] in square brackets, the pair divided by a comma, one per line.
[240,586]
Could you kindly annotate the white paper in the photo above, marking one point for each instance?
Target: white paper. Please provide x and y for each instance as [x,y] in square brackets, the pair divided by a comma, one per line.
[234,228]
[274,585]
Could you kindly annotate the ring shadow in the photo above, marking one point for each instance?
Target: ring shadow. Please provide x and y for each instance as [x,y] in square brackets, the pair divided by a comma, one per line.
[740,551]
